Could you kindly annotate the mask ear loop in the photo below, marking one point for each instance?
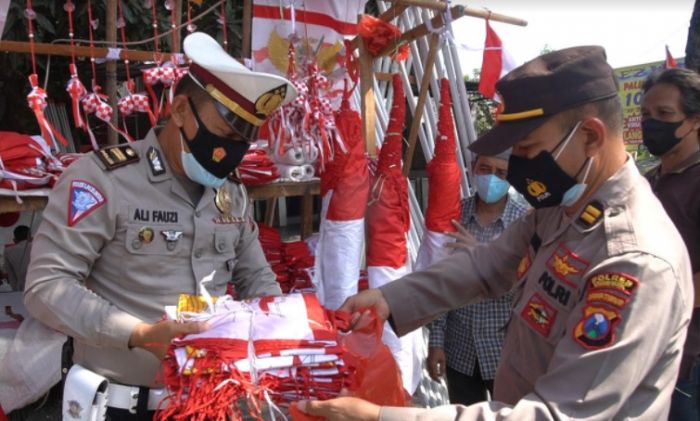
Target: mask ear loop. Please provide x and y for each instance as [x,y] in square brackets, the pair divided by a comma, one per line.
[588,169]
[566,140]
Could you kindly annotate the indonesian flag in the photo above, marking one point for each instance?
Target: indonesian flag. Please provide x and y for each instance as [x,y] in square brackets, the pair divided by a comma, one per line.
[388,222]
[670,61]
[496,63]
[312,25]
[344,189]
[443,186]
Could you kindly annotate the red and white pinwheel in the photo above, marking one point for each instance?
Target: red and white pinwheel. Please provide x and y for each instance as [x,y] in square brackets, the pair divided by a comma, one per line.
[388,222]
[444,195]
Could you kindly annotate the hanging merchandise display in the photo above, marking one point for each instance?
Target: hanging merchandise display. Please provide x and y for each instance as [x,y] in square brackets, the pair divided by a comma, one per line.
[443,186]
[388,222]
[131,102]
[37,98]
[345,190]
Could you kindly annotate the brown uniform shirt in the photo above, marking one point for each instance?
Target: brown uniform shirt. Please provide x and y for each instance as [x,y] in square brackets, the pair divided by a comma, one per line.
[116,246]
[601,308]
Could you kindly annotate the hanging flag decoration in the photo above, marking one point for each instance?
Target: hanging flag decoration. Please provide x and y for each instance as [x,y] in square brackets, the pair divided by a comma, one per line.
[75,87]
[496,63]
[37,98]
[345,190]
[388,222]
[131,102]
[444,198]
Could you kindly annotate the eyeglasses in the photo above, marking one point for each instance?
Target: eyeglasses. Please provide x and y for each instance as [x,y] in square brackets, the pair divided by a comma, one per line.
[240,126]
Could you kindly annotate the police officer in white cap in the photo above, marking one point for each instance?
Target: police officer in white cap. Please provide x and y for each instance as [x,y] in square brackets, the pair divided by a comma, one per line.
[129,228]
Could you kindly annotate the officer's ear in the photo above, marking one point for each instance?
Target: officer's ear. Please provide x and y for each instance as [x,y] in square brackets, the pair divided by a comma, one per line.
[595,133]
[178,109]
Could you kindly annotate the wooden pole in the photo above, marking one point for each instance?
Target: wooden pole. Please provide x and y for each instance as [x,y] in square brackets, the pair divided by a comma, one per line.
[389,15]
[111,68]
[422,97]
[80,51]
[369,114]
[476,12]
[178,22]
[247,29]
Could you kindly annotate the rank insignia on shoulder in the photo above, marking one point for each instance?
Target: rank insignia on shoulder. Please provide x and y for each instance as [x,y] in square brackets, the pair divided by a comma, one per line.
[117,156]
[155,161]
[592,213]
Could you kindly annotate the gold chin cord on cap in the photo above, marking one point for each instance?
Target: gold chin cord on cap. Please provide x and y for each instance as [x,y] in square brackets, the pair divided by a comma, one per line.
[536,112]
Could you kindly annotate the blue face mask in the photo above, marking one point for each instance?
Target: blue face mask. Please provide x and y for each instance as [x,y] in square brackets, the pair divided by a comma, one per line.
[491,189]
[196,172]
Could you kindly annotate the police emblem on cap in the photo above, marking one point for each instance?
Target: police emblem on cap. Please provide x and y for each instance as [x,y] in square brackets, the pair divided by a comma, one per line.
[270,100]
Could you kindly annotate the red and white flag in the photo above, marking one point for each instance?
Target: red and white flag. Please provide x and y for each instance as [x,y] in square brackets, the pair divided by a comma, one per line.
[670,61]
[444,197]
[388,222]
[497,62]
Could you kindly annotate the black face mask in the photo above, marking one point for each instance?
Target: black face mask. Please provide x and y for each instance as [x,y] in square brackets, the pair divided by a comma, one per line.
[218,155]
[660,136]
[541,180]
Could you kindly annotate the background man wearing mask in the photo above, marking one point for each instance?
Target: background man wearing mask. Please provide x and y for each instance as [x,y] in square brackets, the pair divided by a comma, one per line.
[670,124]
[17,257]
[602,280]
[129,228]
[465,344]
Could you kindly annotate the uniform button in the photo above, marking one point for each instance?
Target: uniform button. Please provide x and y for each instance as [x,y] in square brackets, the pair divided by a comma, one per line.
[136,243]
[198,254]
[221,245]
[197,214]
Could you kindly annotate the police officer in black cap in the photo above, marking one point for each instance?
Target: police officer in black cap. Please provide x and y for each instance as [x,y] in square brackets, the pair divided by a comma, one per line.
[602,280]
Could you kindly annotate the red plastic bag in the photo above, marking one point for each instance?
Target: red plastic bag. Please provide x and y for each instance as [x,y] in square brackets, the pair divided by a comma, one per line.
[376,378]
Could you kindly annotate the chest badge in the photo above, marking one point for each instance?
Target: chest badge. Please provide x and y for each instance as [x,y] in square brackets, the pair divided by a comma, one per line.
[222,200]
[539,315]
[146,235]
[171,238]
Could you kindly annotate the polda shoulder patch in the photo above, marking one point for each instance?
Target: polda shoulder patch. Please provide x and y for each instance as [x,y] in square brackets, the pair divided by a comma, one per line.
[117,156]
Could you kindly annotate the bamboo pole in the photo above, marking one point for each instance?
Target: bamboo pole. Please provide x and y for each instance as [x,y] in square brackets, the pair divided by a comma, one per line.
[422,97]
[80,51]
[111,67]
[390,14]
[368,106]
[476,12]
[247,29]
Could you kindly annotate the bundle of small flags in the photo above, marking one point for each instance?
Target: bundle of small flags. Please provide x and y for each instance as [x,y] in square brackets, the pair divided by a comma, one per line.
[257,168]
[269,352]
[292,262]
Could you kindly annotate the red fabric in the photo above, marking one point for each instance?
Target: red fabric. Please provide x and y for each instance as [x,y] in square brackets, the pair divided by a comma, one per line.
[387,216]
[8,219]
[443,171]
[491,64]
[670,61]
[378,34]
[347,175]
[291,262]
[257,168]
[2,414]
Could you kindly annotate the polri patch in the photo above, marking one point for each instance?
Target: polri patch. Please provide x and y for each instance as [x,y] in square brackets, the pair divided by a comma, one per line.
[616,281]
[596,329]
[539,314]
[566,265]
[84,198]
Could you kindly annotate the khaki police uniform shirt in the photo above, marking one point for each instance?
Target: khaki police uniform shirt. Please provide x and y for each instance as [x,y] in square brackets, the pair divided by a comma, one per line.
[116,246]
[600,312]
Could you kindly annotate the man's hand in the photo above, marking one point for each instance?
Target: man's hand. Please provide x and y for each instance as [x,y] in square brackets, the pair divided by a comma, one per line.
[156,337]
[368,299]
[464,240]
[436,363]
[341,409]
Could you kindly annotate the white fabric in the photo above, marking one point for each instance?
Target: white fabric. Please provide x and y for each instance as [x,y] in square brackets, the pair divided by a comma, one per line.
[338,254]
[31,366]
[297,155]
[406,349]
[84,395]
[292,172]
[126,397]
[432,248]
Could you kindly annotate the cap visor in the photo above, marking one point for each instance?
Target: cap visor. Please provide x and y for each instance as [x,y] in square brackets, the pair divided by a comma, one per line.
[504,135]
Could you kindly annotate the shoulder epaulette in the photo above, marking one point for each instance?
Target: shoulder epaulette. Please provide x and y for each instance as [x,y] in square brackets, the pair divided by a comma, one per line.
[591,214]
[117,156]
